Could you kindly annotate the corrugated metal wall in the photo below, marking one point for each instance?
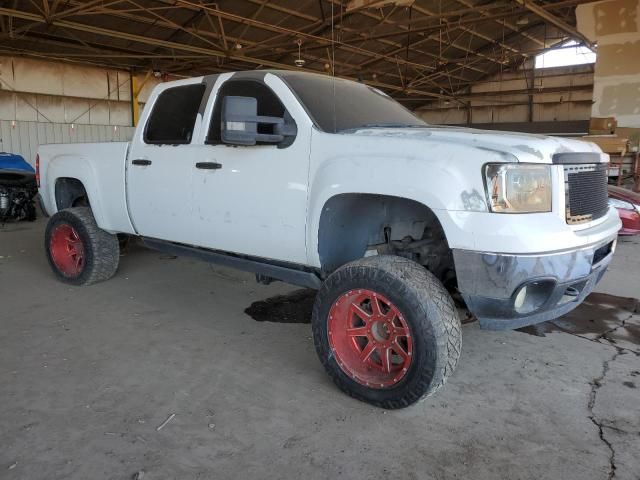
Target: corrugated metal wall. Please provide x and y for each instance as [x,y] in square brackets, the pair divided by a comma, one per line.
[571,100]
[24,138]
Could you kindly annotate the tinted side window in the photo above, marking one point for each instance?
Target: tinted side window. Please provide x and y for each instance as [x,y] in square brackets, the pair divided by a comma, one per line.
[336,104]
[268,105]
[174,115]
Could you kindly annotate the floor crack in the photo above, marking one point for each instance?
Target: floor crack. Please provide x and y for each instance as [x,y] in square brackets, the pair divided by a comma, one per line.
[623,324]
[599,339]
[596,383]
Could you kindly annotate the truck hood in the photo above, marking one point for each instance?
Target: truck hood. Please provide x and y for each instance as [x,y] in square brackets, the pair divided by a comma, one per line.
[521,146]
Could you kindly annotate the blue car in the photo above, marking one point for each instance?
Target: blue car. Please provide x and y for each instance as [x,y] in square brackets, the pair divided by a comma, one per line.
[18,188]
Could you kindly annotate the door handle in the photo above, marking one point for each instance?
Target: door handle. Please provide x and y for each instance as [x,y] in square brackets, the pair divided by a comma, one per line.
[209,165]
[141,161]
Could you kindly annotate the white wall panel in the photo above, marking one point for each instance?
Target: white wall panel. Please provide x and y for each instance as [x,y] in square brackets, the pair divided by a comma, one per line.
[26,108]
[36,76]
[6,71]
[112,83]
[99,113]
[120,114]
[76,110]
[47,108]
[7,106]
[25,137]
[86,82]
[62,79]
[5,133]
[50,109]
[123,86]
[41,90]
[68,134]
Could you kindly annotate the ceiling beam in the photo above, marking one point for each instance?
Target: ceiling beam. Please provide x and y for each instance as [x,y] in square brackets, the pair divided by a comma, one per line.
[85,6]
[188,48]
[557,22]
[504,23]
[429,47]
[324,42]
[355,5]
[507,57]
[217,33]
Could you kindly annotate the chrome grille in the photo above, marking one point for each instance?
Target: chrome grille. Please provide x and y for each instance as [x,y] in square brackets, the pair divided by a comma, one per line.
[586,192]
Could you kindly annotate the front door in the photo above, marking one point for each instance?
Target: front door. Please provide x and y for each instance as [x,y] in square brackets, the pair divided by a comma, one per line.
[254,201]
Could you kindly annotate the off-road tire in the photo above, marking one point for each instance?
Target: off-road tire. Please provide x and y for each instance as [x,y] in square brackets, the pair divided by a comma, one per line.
[425,305]
[101,249]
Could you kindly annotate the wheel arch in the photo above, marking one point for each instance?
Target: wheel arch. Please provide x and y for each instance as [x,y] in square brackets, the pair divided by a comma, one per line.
[68,177]
[70,192]
[68,174]
[70,189]
[363,218]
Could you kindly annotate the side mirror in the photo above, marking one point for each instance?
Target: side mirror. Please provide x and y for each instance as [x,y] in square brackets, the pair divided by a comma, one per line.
[240,121]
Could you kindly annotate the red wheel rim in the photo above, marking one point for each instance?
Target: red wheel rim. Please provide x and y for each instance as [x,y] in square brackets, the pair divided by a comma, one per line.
[370,339]
[67,250]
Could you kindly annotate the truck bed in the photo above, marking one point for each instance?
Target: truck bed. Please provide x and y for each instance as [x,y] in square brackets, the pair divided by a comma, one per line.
[101,167]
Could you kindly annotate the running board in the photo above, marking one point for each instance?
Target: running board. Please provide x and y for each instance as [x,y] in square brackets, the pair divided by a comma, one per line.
[288,273]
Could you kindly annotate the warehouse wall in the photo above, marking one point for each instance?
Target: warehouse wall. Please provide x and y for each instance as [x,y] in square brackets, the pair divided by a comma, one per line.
[615,25]
[51,102]
[24,138]
[558,94]
[55,92]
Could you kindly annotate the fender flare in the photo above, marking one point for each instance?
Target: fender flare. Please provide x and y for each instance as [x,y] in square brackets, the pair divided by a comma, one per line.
[325,188]
[79,168]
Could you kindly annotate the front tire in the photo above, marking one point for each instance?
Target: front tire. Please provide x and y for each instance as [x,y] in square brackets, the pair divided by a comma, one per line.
[79,252]
[386,331]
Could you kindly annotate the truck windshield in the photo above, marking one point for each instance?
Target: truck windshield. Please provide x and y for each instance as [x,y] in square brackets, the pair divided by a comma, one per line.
[336,105]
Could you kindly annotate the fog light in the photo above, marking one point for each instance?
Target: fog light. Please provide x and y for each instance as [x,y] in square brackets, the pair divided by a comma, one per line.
[520,298]
[532,296]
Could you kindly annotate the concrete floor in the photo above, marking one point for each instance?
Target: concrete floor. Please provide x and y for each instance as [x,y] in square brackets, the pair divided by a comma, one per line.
[87,375]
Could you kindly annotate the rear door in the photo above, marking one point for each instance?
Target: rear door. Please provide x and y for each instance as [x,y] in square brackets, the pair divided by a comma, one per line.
[161,163]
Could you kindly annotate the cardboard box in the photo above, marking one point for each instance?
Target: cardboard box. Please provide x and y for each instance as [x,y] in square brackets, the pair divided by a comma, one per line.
[614,171]
[611,144]
[602,125]
[633,134]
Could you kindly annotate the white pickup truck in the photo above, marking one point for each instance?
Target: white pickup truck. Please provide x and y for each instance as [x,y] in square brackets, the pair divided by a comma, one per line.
[330,184]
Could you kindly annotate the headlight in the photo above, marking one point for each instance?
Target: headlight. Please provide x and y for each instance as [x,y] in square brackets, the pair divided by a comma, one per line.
[621,204]
[518,188]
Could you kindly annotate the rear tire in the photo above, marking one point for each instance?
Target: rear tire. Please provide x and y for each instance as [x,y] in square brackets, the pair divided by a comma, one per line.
[386,331]
[79,252]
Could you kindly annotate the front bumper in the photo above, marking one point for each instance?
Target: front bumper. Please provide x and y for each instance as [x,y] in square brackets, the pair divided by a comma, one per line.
[556,283]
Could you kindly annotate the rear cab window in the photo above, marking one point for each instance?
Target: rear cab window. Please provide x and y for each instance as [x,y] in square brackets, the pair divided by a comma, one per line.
[174,114]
